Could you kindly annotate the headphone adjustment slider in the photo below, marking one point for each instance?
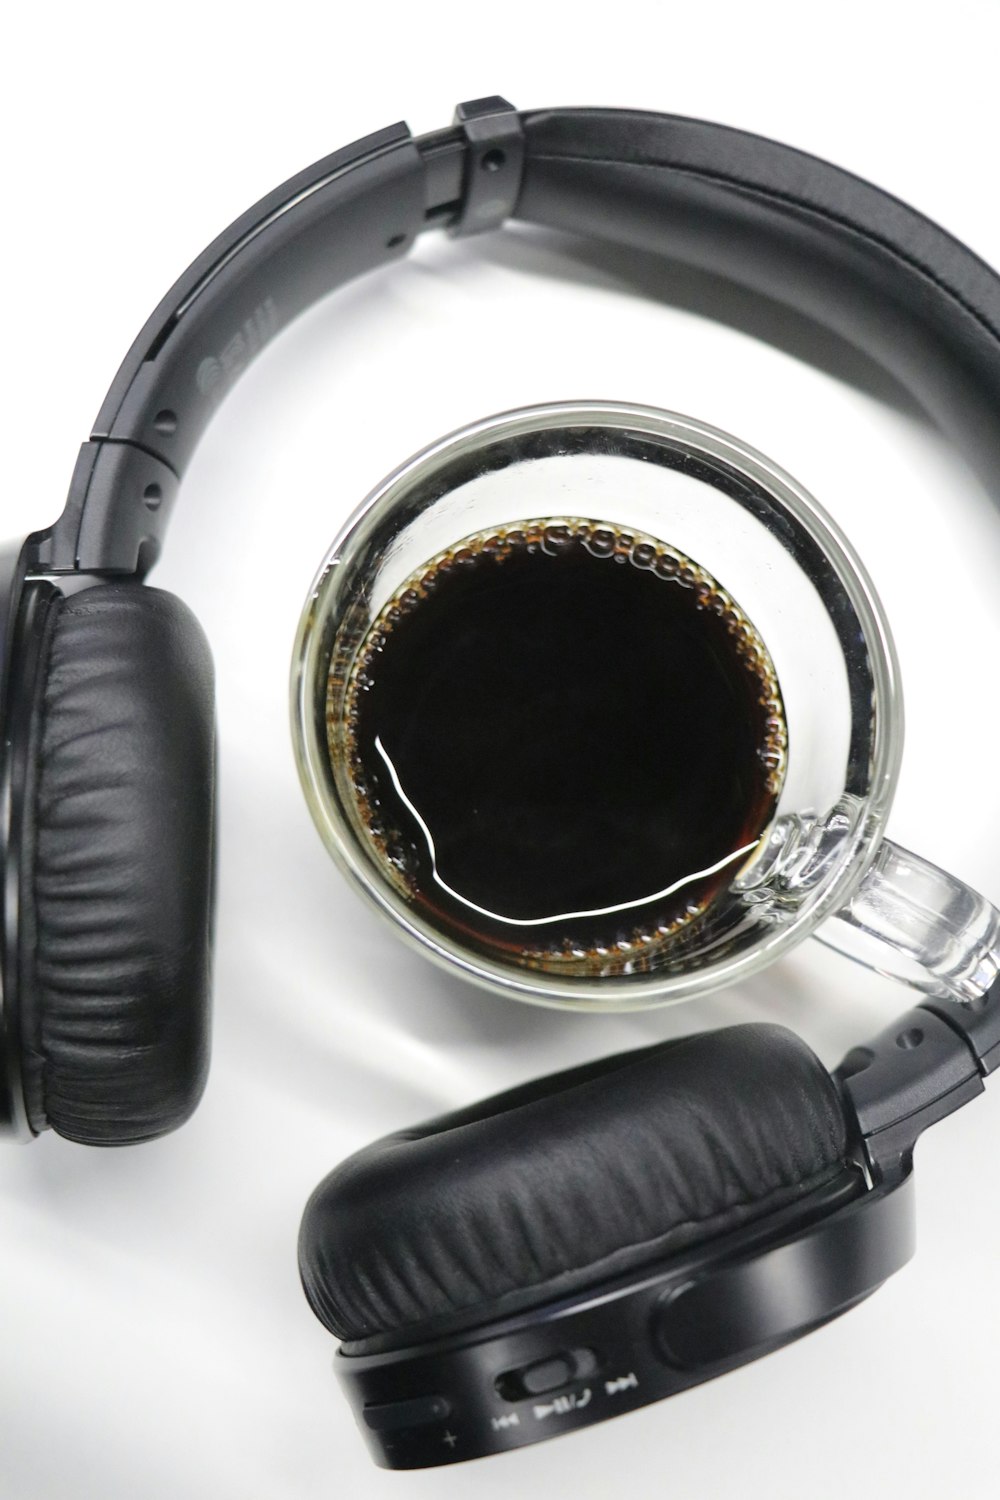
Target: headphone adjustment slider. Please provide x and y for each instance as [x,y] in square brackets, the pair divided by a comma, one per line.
[494,163]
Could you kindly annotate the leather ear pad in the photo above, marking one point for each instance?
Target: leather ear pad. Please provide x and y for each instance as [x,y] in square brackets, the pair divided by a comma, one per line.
[117,870]
[569,1181]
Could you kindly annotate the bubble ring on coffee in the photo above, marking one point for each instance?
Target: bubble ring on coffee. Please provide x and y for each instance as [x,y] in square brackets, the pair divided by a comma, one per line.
[657,919]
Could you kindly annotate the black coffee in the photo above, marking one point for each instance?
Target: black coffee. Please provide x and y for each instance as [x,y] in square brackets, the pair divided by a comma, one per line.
[564,740]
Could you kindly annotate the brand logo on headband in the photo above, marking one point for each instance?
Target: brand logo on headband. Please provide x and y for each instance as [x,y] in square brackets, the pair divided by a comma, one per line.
[216,372]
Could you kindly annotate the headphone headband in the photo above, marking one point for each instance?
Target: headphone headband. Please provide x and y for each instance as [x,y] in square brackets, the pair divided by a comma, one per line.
[779,222]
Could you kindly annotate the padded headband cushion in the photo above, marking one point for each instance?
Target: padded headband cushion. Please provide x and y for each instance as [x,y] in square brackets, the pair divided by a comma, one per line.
[569,1181]
[117,874]
[792,228]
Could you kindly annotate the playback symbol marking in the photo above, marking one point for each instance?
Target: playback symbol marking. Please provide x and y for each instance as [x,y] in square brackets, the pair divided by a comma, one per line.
[575,1401]
[623,1383]
[510,1419]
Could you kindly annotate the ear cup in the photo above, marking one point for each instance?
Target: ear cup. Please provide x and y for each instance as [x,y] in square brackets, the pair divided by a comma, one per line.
[569,1181]
[117,865]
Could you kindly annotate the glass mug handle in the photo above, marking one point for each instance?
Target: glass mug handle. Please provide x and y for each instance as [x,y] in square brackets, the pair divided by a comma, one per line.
[917,924]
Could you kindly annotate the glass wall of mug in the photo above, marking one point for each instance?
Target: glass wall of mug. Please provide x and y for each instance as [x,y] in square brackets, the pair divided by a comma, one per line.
[596,704]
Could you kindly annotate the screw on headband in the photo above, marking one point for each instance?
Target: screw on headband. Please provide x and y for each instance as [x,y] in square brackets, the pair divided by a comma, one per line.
[774,220]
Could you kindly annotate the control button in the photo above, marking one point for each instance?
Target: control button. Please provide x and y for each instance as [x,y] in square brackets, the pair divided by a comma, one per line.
[547,1374]
[419,1412]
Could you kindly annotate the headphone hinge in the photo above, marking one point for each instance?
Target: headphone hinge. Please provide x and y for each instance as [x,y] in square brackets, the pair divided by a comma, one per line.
[977,1022]
[94,536]
[914,1073]
[494,163]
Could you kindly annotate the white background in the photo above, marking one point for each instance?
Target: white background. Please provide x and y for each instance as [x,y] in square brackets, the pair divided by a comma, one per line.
[153,1338]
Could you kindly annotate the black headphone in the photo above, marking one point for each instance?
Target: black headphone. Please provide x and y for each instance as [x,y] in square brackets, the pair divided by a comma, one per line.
[595,1240]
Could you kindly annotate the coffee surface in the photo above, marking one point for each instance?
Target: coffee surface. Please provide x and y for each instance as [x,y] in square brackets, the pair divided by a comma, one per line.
[564,740]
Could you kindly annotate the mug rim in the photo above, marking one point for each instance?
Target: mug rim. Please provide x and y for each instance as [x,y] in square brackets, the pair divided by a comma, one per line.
[598,993]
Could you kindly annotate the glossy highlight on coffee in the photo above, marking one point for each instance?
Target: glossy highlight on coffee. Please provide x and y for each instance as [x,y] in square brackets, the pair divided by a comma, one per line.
[563,741]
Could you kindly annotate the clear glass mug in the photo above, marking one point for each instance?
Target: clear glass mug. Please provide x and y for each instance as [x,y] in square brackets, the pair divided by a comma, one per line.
[751,534]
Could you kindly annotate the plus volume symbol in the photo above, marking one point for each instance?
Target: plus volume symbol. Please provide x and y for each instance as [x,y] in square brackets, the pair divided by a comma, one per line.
[450,1439]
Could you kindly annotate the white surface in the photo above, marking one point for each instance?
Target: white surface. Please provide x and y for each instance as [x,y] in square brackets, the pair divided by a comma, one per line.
[153,1338]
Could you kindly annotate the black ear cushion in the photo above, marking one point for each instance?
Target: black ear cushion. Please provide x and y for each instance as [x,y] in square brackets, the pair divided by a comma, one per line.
[569,1181]
[117,870]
